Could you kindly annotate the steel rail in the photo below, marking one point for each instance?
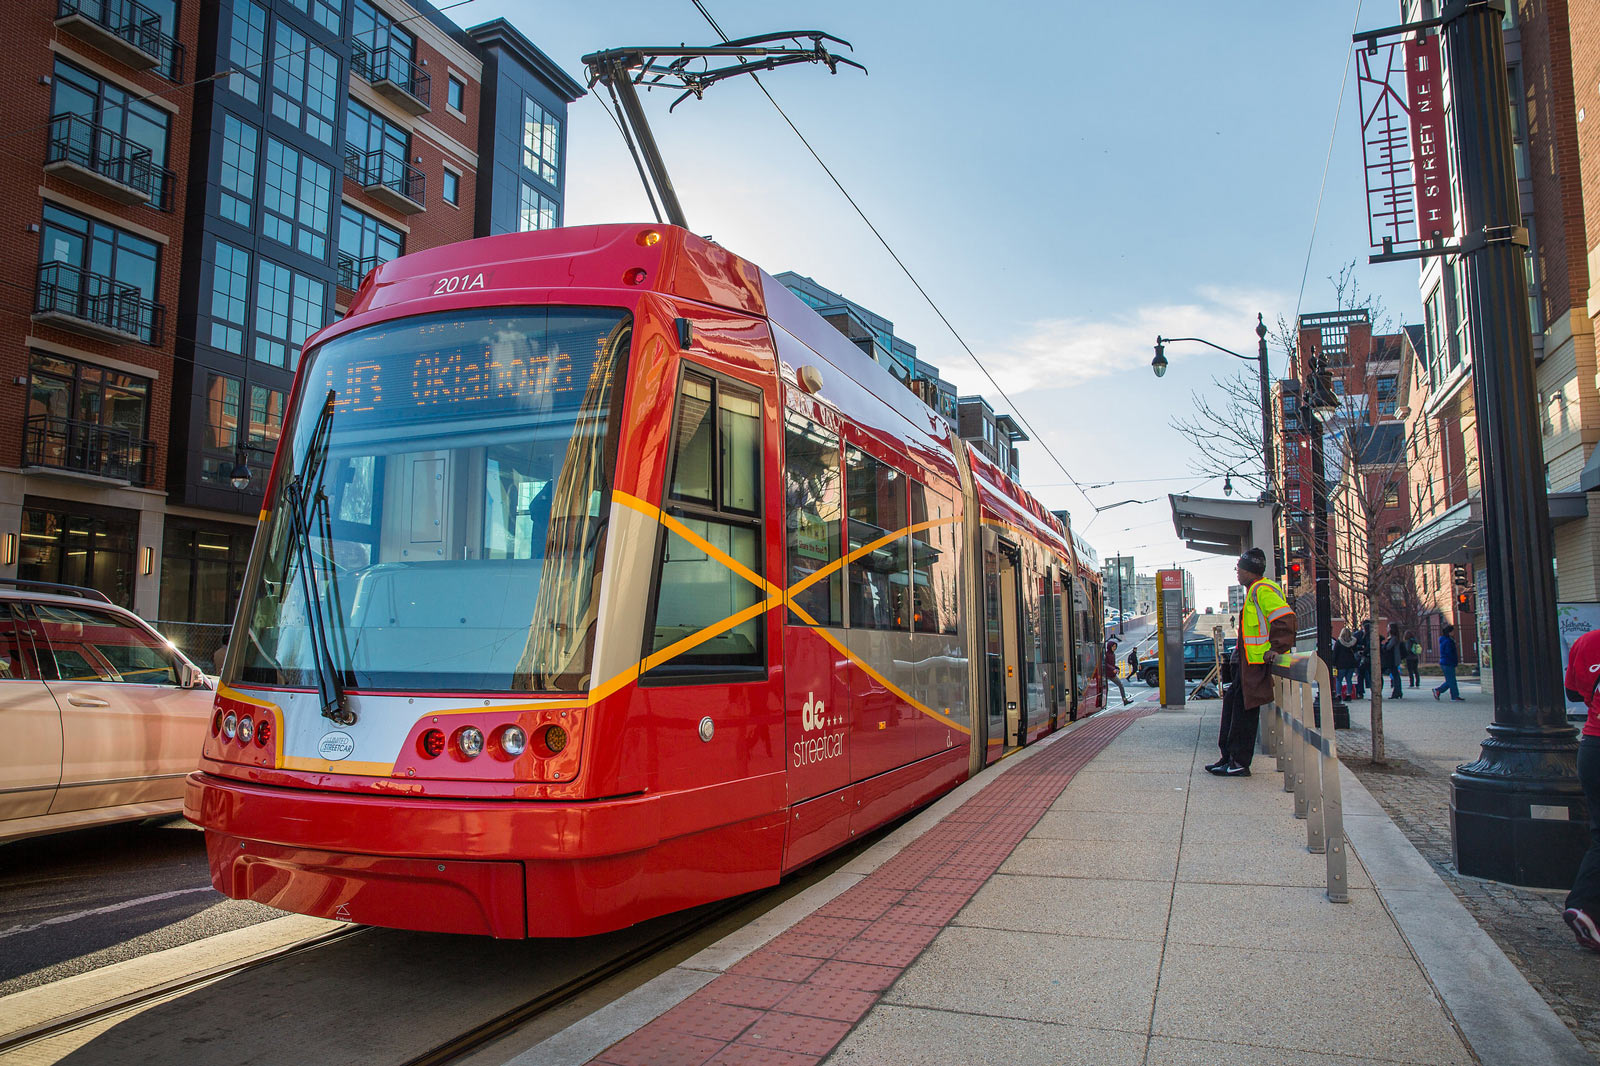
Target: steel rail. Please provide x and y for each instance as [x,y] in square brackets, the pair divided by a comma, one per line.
[121,1004]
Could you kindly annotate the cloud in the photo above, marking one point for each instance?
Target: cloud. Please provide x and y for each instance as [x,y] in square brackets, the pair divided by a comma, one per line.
[1061,352]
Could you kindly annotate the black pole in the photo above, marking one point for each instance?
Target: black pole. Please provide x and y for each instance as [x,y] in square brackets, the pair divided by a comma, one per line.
[1517,813]
[616,75]
[1269,464]
[1311,397]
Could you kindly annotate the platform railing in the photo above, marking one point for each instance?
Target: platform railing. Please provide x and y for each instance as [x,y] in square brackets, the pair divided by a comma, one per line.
[1308,757]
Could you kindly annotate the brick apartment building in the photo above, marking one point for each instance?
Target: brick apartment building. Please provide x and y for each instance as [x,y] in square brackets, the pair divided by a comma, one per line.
[195,188]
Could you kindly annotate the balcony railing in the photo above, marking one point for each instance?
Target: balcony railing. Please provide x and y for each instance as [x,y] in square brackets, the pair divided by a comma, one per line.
[351,270]
[125,30]
[395,75]
[86,448]
[88,154]
[389,178]
[72,298]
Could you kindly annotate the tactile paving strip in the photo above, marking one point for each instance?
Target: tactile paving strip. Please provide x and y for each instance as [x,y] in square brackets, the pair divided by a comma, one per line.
[791,1002]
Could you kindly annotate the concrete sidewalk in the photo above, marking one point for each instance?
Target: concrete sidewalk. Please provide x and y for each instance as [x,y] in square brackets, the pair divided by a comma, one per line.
[1098,899]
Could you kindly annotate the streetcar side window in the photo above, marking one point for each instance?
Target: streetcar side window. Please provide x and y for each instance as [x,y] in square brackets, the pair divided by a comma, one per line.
[876,499]
[934,551]
[811,506]
[707,619]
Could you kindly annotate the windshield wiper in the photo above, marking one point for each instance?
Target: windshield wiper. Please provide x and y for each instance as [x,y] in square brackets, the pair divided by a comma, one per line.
[303,492]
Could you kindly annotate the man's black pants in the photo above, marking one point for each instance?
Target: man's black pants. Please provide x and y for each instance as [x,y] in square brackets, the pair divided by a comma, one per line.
[1585,894]
[1236,736]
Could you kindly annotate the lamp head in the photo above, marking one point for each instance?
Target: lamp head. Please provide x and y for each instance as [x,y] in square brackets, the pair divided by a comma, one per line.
[239,473]
[1159,363]
[1227,485]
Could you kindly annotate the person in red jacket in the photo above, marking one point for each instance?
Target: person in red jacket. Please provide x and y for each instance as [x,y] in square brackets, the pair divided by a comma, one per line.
[1583,686]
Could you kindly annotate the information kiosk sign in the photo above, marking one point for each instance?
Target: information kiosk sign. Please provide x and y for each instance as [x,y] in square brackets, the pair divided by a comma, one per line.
[1169,622]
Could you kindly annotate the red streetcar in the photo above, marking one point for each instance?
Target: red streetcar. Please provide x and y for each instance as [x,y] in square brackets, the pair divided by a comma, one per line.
[599,578]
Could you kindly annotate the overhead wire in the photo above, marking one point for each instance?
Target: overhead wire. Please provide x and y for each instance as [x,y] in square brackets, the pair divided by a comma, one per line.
[1037,437]
[1316,216]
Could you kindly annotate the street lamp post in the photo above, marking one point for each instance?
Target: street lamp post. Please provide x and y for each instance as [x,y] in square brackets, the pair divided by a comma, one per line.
[1503,806]
[1315,397]
[1264,370]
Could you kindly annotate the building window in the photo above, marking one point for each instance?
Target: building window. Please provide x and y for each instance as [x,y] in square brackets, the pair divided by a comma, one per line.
[326,13]
[375,29]
[266,419]
[289,308]
[455,93]
[364,244]
[230,290]
[86,418]
[1391,495]
[76,544]
[452,187]
[109,131]
[305,83]
[536,211]
[222,414]
[541,143]
[367,131]
[247,49]
[296,197]
[96,271]
[238,176]
[202,572]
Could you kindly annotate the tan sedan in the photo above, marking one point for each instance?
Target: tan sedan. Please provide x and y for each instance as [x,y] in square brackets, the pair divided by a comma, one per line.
[100,717]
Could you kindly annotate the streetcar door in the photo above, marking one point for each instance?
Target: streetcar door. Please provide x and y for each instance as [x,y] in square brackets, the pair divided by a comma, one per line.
[1002,605]
[1070,674]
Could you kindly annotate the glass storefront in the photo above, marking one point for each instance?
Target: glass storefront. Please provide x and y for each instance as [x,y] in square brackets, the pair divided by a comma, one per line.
[76,544]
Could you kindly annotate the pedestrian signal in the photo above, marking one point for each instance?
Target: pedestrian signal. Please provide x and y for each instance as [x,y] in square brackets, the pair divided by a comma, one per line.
[1464,601]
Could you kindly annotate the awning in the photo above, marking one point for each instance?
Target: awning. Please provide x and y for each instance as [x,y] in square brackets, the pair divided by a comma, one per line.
[1457,535]
[1222,527]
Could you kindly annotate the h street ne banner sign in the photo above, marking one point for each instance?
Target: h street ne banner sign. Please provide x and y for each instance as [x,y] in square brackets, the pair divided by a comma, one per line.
[1403,143]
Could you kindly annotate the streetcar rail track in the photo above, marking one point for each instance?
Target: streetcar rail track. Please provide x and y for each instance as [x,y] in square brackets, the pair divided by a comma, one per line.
[121,1004]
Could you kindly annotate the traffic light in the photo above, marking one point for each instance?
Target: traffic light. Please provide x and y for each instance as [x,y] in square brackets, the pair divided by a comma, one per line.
[1459,573]
[1296,571]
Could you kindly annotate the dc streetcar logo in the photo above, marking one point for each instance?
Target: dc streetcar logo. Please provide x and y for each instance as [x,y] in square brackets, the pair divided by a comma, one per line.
[336,745]
[813,719]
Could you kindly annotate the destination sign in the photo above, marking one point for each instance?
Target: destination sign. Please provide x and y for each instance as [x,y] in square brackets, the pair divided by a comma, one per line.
[466,365]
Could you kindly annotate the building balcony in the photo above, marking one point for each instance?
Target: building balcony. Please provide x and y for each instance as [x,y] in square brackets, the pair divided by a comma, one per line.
[395,75]
[387,178]
[350,270]
[126,30]
[86,448]
[95,306]
[92,157]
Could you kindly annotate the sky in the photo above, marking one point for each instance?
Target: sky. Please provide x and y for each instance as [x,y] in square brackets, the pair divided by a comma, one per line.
[1065,179]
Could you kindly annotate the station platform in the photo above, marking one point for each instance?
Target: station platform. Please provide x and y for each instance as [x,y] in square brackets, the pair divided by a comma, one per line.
[1099,898]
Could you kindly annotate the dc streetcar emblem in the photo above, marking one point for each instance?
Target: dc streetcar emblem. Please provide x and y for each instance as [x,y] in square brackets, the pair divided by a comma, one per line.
[336,745]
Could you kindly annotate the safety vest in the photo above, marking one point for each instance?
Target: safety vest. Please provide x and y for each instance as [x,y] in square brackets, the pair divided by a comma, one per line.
[1262,606]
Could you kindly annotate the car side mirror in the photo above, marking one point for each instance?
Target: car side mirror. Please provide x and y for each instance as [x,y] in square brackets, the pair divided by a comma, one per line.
[189,676]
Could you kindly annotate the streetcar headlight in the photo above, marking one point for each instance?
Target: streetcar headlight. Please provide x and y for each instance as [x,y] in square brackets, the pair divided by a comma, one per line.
[555,738]
[470,742]
[513,740]
[230,725]
[247,729]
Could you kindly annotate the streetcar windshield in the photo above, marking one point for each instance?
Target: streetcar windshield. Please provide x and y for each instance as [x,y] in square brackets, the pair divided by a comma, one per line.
[454,502]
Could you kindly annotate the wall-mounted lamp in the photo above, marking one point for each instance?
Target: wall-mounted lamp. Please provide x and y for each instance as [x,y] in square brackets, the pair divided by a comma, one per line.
[147,560]
[8,550]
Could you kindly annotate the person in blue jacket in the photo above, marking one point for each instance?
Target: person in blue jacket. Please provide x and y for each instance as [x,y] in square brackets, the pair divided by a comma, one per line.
[1448,657]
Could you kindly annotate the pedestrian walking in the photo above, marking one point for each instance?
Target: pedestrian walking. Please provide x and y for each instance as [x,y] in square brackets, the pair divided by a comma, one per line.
[1391,653]
[1110,668]
[1363,658]
[1266,633]
[1133,662]
[1448,658]
[1413,658]
[1583,685]
[1344,659]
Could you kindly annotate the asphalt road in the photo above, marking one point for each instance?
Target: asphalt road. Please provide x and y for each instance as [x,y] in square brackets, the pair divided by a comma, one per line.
[74,902]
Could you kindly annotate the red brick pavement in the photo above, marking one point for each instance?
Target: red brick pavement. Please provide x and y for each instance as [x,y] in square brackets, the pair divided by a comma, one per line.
[791,1002]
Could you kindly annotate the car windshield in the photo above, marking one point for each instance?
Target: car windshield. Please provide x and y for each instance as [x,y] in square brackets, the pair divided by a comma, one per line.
[455,508]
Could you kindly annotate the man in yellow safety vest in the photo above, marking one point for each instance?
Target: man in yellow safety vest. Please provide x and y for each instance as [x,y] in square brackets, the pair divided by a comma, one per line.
[1266,635]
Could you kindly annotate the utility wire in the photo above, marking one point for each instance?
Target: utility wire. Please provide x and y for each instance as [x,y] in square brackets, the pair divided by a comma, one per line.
[1037,437]
[1316,216]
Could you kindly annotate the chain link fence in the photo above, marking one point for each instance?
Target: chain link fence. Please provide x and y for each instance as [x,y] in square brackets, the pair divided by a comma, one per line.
[200,641]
